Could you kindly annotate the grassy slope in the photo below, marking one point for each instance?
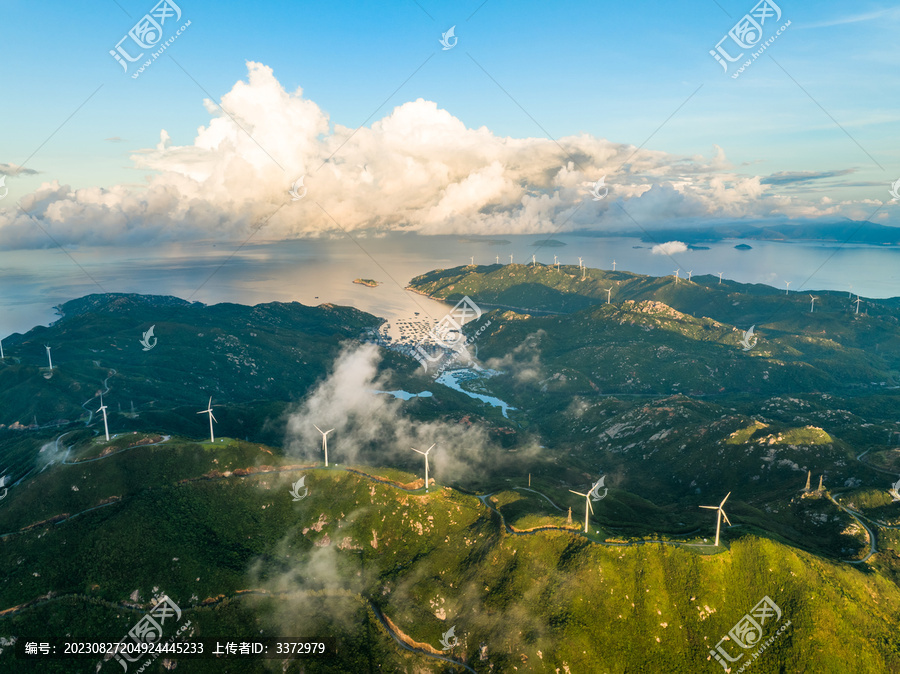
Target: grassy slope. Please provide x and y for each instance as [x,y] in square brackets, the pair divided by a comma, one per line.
[441,552]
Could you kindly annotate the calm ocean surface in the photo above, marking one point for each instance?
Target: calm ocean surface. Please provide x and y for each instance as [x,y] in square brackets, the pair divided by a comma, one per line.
[322,270]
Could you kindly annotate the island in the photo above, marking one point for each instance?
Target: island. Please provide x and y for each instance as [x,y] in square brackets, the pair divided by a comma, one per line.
[552,243]
[366,282]
[743,246]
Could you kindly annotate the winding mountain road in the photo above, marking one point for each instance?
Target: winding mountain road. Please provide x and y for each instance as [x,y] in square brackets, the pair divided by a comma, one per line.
[872,548]
[550,527]
[112,373]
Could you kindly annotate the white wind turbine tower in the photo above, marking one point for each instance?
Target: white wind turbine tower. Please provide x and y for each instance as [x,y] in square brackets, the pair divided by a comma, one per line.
[103,409]
[324,442]
[720,514]
[857,300]
[50,360]
[676,277]
[581,262]
[510,258]
[690,273]
[1,350]
[587,505]
[812,305]
[614,265]
[720,276]
[787,285]
[425,454]
[533,263]
[472,261]
[497,258]
[208,410]
[608,294]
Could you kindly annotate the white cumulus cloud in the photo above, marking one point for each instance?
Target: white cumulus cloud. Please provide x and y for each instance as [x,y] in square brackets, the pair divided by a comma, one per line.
[669,248]
[417,169]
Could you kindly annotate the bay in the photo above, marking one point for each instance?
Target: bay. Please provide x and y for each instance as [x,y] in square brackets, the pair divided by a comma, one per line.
[315,271]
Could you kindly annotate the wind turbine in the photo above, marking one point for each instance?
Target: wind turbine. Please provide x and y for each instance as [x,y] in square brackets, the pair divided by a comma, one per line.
[614,265]
[510,258]
[324,442]
[812,305]
[103,409]
[676,277]
[690,273]
[720,276]
[497,258]
[857,300]
[472,261]
[719,516]
[787,285]
[50,360]
[212,418]
[581,262]
[533,263]
[1,350]
[608,293]
[587,505]
[425,454]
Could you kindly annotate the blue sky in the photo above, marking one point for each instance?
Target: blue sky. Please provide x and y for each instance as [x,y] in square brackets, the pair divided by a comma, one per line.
[525,69]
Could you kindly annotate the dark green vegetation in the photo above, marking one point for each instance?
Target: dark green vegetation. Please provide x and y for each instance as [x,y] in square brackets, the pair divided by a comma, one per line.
[663,336]
[652,390]
[270,352]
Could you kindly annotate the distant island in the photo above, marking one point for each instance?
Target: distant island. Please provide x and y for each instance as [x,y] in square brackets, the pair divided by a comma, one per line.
[863,232]
[366,282]
[553,243]
[743,246]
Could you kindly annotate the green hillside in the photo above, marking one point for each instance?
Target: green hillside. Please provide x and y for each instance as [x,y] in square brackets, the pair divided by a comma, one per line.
[239,556]
[661,400]
[270,352]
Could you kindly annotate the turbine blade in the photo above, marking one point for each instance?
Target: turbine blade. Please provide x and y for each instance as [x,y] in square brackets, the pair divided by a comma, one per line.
[590,506]
[430,448]
[710,507]
[328,431]
[579,493]
[209,404]
[213,416]
[417,450]
[726,518]
[725,499]
[317,428]
[203,412]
